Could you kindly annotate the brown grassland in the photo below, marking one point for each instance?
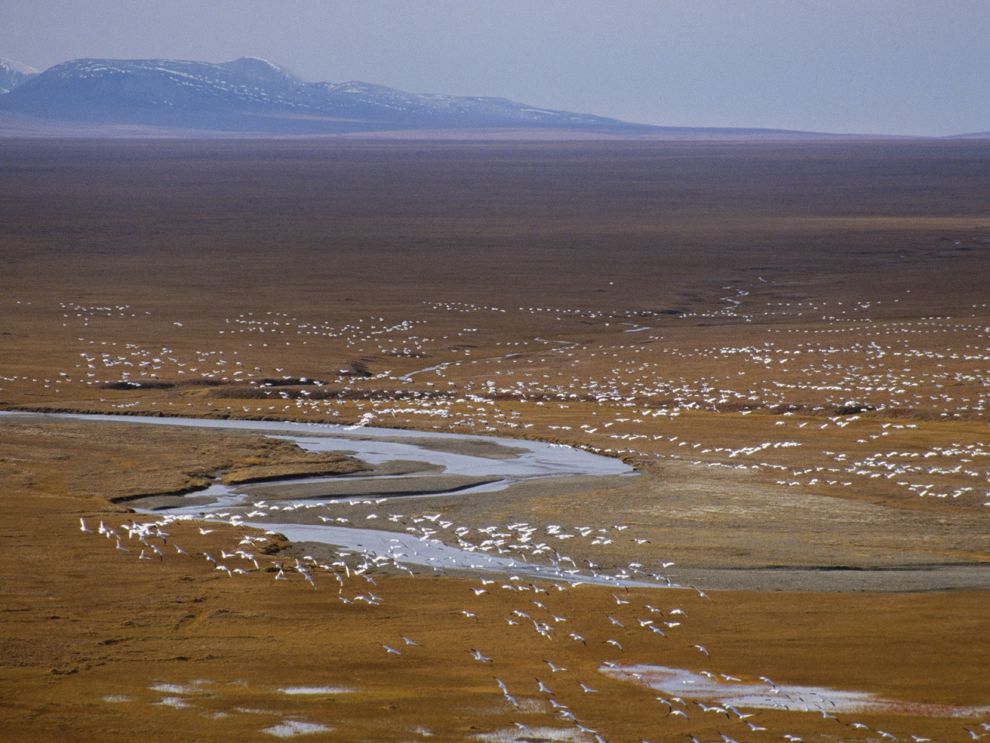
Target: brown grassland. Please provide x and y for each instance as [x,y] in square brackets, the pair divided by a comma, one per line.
[790,341]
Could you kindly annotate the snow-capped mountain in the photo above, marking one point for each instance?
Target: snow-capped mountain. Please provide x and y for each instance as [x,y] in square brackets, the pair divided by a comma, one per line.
[13,74]
[253,95]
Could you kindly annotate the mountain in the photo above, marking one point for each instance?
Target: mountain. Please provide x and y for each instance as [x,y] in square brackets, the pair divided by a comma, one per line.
[13,74]
[252,95]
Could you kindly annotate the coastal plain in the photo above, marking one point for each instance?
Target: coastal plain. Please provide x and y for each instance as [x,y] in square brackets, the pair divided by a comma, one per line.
[789,341]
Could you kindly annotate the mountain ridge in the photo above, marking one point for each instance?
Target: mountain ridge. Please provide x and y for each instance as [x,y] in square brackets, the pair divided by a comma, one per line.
[251,96]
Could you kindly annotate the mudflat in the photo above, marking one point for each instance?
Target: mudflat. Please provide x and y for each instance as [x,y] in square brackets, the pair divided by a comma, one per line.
[790,342]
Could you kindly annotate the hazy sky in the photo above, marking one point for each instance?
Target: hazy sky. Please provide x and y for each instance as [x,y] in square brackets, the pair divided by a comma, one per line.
[871,66]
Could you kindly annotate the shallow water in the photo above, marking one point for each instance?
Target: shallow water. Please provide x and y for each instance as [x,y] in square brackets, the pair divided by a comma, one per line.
[524,460]
[535,458]
[292,728]
[315,690]
[408,549]
[548,734]
[694,686]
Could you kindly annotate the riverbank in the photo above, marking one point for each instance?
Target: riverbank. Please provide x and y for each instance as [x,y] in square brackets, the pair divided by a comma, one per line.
[444,499]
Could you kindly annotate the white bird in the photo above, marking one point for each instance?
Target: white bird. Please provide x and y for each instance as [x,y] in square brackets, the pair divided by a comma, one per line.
[479,656]
[83,527]
[390,650]
[505,693]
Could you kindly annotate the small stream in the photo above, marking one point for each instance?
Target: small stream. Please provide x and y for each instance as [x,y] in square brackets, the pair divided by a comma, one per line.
[500,463]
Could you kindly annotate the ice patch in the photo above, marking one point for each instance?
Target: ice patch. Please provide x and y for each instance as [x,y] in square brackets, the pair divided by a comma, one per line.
[524,733]
[315,690]
[172,688]
[292,728]
[769,695]
[175,702]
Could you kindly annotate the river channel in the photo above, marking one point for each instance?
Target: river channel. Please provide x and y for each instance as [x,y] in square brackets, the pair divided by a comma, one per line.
[470,464]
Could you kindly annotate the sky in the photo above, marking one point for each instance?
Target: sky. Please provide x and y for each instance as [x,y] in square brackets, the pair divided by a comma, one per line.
[917,67]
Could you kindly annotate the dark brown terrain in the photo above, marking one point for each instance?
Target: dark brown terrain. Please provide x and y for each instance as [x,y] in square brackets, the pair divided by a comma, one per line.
[791,341]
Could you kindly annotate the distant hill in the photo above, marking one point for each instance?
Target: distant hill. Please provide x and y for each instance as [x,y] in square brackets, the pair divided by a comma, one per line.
[251,96]
[12,74]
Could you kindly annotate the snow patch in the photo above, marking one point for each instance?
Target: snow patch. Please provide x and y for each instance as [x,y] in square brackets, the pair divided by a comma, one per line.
[292,728]
[315,690]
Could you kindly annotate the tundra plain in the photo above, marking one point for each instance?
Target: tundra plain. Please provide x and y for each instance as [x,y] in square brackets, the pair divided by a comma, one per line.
[789,341]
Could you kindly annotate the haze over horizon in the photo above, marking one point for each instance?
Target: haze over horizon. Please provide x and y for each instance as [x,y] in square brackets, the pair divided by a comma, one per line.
[884,67]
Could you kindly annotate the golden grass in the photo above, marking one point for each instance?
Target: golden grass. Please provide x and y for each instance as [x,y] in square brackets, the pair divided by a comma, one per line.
[232,262]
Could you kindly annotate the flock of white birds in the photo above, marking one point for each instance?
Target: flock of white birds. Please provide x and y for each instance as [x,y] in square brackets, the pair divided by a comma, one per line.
[834,397]
[551,706]
[865,399]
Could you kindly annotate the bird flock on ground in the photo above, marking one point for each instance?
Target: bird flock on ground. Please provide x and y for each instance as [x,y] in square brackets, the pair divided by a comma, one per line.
[831,399]
[865,399]
[553,701]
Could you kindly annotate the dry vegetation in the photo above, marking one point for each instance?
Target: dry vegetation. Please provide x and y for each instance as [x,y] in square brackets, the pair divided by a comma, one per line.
[791,341]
